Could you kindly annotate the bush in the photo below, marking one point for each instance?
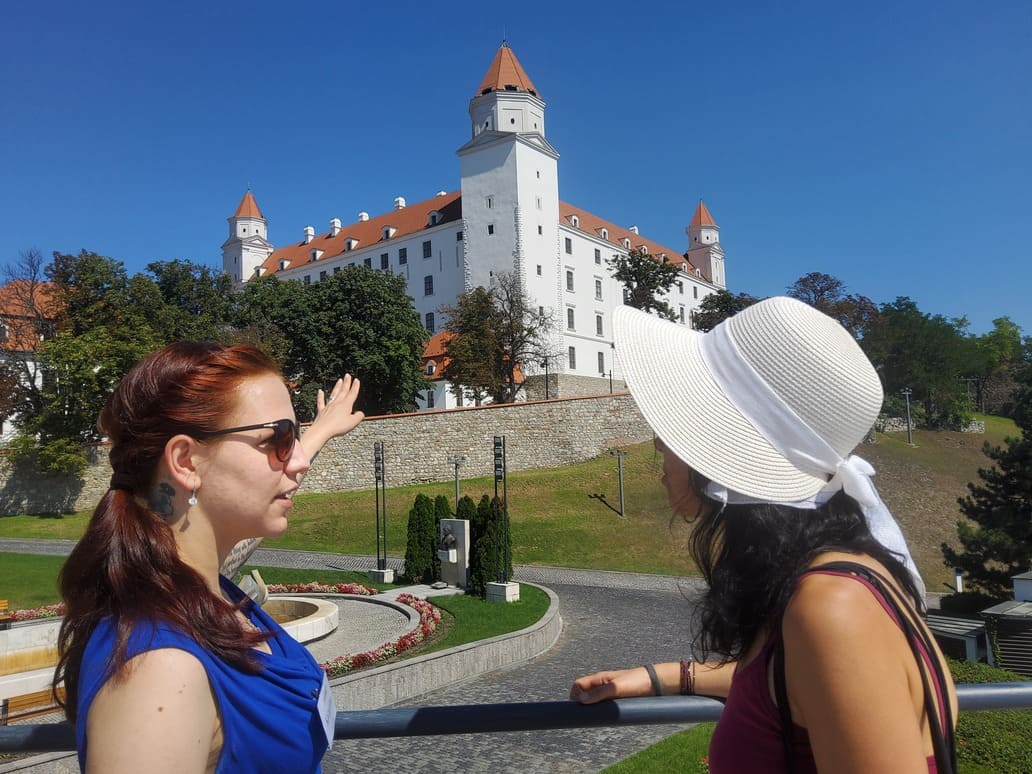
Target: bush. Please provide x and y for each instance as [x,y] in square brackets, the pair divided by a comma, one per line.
[421,546]
[999,740]
[489,547]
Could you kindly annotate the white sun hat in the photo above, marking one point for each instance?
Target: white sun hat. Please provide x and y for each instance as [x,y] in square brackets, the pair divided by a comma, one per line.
[768,405]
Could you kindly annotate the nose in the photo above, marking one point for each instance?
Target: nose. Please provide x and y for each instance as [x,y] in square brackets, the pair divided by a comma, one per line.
[299,462]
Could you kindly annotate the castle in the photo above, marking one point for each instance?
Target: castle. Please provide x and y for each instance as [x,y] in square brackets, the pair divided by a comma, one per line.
[505,217]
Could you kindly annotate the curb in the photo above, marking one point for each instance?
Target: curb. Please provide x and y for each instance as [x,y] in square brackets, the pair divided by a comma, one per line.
[394,683]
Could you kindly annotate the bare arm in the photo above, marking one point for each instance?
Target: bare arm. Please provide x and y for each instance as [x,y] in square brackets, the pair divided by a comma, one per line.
[852,680]
[711,679]
[158,716]
[334,416]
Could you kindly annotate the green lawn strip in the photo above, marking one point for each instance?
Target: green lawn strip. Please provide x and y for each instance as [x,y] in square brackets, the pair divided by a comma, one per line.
[285,575]
[476,619]
[29,580]
[685,751]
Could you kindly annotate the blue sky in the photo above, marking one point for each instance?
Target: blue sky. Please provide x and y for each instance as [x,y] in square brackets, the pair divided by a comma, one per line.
[885,144]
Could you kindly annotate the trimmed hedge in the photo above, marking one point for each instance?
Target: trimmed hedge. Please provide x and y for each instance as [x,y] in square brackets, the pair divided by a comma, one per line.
[999,740]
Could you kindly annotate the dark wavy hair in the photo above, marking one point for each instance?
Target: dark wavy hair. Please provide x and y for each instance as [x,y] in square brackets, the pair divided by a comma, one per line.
[751,556]
[126,565]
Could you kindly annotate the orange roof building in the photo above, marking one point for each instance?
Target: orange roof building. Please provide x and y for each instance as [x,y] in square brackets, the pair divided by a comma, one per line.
[505,216]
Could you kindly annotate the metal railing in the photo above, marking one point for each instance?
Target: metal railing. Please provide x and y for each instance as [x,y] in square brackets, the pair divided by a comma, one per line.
[529,716]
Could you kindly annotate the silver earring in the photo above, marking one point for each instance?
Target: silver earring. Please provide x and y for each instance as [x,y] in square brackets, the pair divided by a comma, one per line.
[193,498]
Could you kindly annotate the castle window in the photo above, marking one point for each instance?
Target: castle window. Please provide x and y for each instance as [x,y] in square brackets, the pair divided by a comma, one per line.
[680,312]
[571,357]
[695,291]
[598,256]
[537,201]
[429,323]
[575,221]
[540,231]
[368,262]
[598,289]
[569,280]
[322,275]
[308,279]
[490,202]
[429,399]
[539,269]
[428,285]
[458,236]
[490,229]
[336,269]
[427,249]
[605,233]
[568,245]
[569,318]
[433,218]
[385,260]
[431,369]
[403,256]
[680,288]
[602,363]
[598,325]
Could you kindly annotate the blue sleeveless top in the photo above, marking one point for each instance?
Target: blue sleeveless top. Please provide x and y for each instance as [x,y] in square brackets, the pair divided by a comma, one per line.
[270,720]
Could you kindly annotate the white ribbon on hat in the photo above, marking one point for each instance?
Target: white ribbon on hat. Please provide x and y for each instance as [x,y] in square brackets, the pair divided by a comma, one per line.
[798,443]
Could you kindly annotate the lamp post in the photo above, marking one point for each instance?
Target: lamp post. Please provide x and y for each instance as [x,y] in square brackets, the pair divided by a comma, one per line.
[619,454]
[545,364]
[457,462]
[907,392]
[603,374]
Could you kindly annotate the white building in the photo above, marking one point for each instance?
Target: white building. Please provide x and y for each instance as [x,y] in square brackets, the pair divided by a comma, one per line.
[506,217]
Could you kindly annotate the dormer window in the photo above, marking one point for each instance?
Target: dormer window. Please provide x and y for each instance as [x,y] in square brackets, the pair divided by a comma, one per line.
[684,267]
[389,231]
[431,368]
[350,243]
[698,273]
[626,243]
[435,218]
[604,233]
[316,254]
[575,221]
[283,264]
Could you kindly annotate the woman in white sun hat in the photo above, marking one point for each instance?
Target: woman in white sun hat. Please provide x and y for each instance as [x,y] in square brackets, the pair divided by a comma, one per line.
[810,625]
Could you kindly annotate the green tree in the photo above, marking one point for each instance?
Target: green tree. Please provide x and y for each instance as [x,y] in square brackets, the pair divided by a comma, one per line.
[828,294]
[998,353]
[367,326]
[645,279]
[494,331]
[199,300]
[717,307]
[420,544]
[998,544]
[491,551]
[925,353]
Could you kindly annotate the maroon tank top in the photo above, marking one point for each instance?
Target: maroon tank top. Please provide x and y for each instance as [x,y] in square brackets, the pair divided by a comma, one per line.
[748,737]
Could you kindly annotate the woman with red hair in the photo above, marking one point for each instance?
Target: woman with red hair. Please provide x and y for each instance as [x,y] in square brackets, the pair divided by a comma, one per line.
[167,665]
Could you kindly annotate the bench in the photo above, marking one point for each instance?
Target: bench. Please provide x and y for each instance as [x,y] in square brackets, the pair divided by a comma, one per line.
[30,705]
[6,616]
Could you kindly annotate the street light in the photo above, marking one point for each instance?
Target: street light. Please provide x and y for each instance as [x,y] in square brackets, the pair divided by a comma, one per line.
[907,392]
[619,454]
[457,462]
[545,364]
[603,374]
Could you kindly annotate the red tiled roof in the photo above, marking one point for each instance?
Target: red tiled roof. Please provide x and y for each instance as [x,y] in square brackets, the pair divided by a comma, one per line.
[20,303]
[406,221]
[435,351]
[593,225]
[248,207]
[506,73]
[702,217]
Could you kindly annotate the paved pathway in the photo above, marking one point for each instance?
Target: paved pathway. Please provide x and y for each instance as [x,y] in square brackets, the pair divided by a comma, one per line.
[610,620]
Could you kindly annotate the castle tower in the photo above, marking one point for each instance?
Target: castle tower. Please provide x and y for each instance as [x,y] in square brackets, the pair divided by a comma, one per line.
[704,250]
[247,247]
[510,182]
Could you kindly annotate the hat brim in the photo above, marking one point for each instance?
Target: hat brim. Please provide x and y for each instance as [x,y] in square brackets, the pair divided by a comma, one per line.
[662,364]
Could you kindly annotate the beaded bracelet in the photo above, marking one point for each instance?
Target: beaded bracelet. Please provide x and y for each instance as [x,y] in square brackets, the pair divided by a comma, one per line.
[687,678]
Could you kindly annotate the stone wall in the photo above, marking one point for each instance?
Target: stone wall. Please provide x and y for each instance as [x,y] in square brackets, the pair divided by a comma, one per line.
[539,434]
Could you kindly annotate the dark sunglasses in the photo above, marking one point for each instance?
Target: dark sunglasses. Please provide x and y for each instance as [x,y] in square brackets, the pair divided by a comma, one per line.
[285,433]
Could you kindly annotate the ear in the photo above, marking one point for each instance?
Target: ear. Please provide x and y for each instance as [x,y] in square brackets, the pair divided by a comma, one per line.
[181,458]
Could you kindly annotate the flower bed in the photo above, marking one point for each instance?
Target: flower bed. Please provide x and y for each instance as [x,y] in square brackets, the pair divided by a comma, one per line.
[35,613]
[429,617]
[321,588]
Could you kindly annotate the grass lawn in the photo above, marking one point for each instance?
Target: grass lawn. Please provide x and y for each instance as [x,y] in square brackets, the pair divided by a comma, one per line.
[29,580]
[685,751]
[560,516]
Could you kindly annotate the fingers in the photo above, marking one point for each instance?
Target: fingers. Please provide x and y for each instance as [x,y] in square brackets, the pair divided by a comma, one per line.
[594,688]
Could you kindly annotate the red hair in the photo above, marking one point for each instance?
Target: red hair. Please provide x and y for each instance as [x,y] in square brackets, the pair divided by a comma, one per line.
[126,565]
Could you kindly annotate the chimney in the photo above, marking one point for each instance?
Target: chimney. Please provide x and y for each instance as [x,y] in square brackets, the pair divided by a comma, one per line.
[363,216]
[633,229]
[334,226]
[442,193]
[309,234]
[399,202]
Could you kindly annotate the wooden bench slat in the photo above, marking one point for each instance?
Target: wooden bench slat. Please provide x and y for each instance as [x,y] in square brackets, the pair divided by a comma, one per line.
[30,705]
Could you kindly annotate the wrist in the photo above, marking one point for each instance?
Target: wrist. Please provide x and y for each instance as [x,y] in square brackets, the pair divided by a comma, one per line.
[657,686]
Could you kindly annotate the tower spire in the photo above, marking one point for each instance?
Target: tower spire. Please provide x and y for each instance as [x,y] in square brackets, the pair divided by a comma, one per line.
[506,74]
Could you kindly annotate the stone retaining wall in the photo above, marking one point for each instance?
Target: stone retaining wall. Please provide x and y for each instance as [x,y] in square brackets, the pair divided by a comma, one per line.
[539,434]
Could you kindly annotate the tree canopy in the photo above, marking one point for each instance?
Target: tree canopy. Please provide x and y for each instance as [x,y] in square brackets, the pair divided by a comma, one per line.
[717,307]
[495,331]
[645,280]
